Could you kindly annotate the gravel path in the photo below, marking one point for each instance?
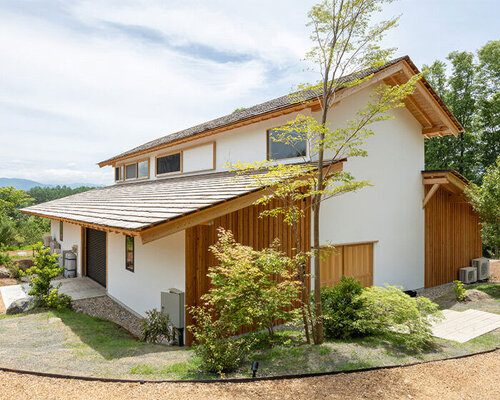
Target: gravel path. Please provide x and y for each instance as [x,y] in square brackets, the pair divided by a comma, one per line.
[105,308]
[470,378]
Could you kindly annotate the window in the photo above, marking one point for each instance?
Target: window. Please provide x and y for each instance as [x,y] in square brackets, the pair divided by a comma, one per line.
[118,174]
[131,171]
[61,233]
[168,164]
[129,253]
[280,150]
[143,169]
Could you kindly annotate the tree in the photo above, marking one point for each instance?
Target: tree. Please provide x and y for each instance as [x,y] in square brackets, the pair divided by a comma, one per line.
[486,201]
[11,200]
[344,40]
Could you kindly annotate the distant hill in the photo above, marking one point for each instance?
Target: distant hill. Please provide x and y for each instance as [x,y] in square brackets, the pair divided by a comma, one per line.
[26,184]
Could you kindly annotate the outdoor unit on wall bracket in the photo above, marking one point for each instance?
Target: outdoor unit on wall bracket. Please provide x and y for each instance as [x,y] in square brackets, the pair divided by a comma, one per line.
[468,274]
[483,268]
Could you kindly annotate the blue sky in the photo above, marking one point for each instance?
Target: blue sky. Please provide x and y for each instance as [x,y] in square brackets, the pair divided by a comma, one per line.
[83,80]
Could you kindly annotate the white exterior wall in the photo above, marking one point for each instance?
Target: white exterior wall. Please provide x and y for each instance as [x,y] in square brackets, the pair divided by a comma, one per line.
[158,266]
[72,235]
[391,210]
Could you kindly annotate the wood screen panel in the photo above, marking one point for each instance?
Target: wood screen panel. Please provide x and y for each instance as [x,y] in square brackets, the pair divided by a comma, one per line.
[351,260]
[452,237]
[248,229]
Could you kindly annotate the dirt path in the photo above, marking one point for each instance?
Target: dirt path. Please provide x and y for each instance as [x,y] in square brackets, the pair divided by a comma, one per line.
[470,378]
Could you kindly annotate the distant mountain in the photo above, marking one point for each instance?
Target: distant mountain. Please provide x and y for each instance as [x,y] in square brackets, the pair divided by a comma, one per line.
[26,184]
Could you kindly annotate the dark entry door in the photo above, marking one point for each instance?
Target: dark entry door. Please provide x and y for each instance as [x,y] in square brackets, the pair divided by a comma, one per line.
[96,255]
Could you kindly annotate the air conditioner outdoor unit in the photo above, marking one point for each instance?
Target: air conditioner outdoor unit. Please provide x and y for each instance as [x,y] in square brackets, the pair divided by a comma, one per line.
[483,268]
[468,274]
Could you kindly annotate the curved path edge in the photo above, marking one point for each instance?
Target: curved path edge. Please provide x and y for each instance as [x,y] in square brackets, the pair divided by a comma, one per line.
[237,380]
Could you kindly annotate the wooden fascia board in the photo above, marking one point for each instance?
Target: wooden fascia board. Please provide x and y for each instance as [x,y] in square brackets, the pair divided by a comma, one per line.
[85,224]
[432,101]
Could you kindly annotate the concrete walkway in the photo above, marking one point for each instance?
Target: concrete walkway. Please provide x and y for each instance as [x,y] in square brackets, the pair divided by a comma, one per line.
[77,288]
[466,325]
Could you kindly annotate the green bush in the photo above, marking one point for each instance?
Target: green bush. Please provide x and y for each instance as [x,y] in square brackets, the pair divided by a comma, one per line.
[5,259]
[459,290]
[41,274]
[156,327]
[406,319]
[218,353]
[342,305]
[7,231]
[59,301]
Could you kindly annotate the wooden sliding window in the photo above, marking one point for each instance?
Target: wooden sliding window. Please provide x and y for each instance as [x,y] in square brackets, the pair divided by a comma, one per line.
[169,164]
[137,170]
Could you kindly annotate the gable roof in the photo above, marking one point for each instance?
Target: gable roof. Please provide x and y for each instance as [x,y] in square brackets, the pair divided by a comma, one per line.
[249,115]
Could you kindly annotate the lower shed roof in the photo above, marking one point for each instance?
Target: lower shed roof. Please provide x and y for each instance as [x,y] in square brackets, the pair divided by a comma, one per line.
[133,207]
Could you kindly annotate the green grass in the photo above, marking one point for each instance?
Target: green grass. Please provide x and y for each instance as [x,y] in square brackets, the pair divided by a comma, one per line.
[491,289]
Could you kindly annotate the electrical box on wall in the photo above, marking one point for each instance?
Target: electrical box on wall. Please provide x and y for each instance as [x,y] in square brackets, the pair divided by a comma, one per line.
[172,303]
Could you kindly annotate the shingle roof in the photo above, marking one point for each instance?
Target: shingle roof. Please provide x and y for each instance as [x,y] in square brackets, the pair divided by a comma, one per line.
[268,106]
[135,206]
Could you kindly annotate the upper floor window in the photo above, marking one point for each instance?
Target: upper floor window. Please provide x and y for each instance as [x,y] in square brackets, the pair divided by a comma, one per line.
[168,164]
[138,170]
[277,150]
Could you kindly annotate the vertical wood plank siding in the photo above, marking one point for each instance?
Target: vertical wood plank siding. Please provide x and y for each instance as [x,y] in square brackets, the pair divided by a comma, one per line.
[452,237]
[351,260]
[247,229]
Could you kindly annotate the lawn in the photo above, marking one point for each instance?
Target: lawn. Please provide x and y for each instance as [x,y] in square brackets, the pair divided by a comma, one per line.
[77,344]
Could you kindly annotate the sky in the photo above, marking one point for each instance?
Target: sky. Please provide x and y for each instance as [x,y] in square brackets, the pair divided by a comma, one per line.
[81,81]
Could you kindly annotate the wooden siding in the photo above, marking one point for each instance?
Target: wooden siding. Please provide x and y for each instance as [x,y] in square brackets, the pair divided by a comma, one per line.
[249,230]
[352,260]
[452,237]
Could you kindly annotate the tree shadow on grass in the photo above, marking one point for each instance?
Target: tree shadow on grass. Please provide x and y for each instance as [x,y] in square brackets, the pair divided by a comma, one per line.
[110,340]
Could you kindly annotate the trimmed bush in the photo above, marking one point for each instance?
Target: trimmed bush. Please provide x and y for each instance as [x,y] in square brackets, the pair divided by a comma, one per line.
[156,327]
[342,305]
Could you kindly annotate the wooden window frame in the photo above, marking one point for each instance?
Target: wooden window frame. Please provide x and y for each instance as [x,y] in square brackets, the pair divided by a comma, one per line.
[133,253]
[181,166]
[281,159]
[61,231]
[122,174]
[136,170]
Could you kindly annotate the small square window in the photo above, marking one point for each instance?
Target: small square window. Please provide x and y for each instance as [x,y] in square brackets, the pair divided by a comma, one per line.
[129,253]
[131,171]
[279,150]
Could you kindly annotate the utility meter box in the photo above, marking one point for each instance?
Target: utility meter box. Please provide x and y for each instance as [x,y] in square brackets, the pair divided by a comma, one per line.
[172,303]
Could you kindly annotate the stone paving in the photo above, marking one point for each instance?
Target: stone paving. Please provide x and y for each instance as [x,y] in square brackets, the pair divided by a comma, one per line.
[77,288]
[462,326]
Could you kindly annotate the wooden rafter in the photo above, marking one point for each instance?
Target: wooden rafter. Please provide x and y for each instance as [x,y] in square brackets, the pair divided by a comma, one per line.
[431,192]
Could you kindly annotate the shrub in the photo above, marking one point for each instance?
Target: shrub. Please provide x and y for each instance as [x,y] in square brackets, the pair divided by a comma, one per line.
[156,327]
[341,308]
[459,290]
[5,259]
[218,353]
[45,269]
[7,231]
[390,311]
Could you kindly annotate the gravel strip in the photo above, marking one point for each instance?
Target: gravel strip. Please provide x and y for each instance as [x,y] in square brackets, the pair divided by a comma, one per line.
[436,291]
[469,378]
[105,308]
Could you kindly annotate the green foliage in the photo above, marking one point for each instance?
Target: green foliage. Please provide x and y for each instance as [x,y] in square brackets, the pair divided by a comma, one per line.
[156,327]
[5,259]
[31,229]
[43,194]
[342,305]
[486,201]
[56,300]
[218,352]
[459,290]
[471,91]
[389,311]
[11,200]
[41,274]
[251,288]
[7,230]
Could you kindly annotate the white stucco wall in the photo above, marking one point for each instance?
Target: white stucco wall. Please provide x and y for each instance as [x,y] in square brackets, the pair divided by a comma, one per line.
[159,266]
[72,235]
[391,210]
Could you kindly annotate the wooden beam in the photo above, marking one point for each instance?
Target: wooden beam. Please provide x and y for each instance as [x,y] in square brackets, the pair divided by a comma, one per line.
[429,195]
[435,129]
[433,181]
[200,217]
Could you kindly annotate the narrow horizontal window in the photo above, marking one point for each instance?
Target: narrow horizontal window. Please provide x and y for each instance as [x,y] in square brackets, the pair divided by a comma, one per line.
[131,171]
[277,150]
[143,169]
[168,164]
[129,253]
